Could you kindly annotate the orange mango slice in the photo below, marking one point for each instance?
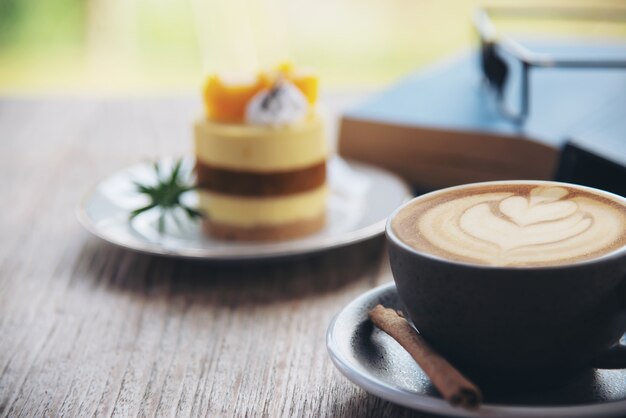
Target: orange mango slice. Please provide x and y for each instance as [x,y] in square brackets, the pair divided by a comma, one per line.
[226,100]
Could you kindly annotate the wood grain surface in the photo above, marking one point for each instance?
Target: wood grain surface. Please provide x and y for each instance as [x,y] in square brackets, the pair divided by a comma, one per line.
[89,329]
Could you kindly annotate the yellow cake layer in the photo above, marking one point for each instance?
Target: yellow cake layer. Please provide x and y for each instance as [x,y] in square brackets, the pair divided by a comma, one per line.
[260,148]
[248,212]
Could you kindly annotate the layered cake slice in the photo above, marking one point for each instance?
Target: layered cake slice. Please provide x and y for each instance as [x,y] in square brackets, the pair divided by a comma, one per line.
[261,157]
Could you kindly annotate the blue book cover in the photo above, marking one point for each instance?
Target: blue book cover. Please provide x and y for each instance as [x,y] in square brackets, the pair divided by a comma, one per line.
[441,126]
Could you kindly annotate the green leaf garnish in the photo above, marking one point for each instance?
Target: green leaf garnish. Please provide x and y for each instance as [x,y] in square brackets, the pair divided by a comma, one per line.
[166,195]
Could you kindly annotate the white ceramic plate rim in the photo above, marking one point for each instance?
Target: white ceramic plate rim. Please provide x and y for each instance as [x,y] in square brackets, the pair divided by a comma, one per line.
[243,252]
[403,397]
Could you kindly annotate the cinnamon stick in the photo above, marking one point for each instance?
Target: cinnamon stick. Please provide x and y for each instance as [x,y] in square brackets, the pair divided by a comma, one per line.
[450,383]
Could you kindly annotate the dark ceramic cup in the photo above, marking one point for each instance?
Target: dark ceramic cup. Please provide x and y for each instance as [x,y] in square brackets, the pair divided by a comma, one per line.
[504,322]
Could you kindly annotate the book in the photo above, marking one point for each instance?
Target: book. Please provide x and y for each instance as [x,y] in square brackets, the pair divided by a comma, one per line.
[440,127]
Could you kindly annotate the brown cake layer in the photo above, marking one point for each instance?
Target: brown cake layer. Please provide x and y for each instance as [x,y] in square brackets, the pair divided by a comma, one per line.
[243,183]
[264,232]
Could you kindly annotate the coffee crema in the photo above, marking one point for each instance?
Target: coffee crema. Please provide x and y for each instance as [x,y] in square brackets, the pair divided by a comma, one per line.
[514,224]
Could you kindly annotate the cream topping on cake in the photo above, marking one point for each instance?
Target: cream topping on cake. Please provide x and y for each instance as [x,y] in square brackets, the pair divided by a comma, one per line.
[281,104]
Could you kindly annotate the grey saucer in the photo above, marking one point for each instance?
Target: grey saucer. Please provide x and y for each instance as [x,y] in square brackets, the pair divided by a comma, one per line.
[360,199]
[374,361]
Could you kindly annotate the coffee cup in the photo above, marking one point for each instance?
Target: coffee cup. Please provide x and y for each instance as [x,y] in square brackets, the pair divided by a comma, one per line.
[510,278]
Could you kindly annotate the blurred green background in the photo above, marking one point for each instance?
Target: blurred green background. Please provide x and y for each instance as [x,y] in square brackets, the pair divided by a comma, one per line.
[161,46]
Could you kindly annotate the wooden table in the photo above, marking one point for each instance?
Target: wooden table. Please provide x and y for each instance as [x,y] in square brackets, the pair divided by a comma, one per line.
[89,329]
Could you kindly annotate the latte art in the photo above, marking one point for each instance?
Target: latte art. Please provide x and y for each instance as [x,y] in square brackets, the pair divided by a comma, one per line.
[514,225]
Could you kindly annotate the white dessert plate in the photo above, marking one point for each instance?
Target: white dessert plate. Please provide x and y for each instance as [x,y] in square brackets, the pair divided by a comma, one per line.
[361,198]
[374,361]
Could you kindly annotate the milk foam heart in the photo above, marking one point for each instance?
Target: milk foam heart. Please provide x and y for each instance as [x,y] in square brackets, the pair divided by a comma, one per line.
[514,224]
[538,207]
